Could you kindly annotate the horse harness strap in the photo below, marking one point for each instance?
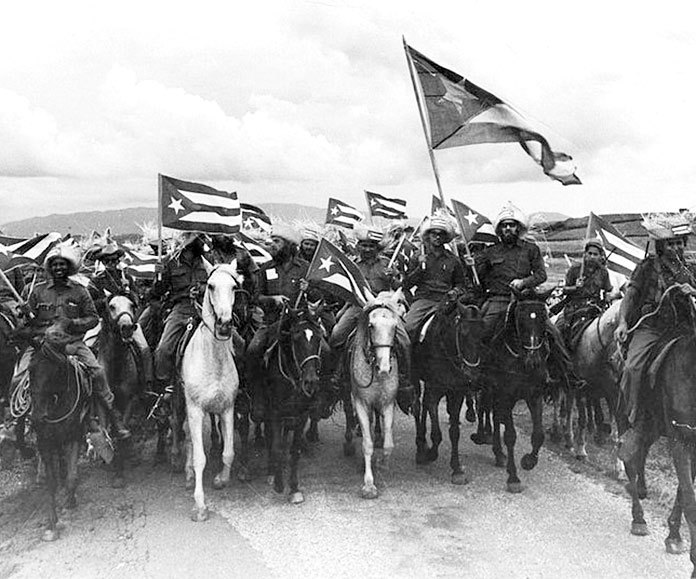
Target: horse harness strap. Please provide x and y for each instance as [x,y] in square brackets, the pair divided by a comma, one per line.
[191,327]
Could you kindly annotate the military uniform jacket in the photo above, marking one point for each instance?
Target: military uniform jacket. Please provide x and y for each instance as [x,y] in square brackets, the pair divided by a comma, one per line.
[181,274]
[594,281]
[499,264]
[374,272]
[50,301]
[276,279]
[436,276]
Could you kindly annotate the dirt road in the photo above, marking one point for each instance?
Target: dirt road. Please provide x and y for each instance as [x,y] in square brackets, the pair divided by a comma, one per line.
[564,524]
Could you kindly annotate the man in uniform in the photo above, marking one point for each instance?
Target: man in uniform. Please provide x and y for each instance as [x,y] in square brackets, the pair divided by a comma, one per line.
[59,301]
[587,290]
[280,282]
[309,241]
[647,285]
[114,280]
[183,280]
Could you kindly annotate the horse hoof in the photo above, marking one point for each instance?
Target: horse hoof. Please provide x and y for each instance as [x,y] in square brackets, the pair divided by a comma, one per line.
[118,482]
[470,415]
[642,493]
[190,484]
[514,487]
[529,461]
[639,529]
[219,483]
[500,460]
[279,487]
[431,455]
[581,457]
[675,546]
[312,437]
[481,439]
[199,515]
[296,498]
[348,449]
[50,535]
[459,478]
[369,492]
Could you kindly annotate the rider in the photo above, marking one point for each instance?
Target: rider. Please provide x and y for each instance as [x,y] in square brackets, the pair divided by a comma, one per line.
[182,280]
[513,264]
[587,289]
[380,277]
[114,280]
[63,301]
[280,282]
[647,285]
[309,241]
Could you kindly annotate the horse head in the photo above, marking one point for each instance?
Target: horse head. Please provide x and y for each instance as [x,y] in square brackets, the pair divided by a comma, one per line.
[304,334]
[218,302]
[121,311]
[382,314]
[456,332]
[530,317]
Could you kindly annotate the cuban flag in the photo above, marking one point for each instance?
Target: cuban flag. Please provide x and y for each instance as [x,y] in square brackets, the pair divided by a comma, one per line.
[340,213]
[387,207]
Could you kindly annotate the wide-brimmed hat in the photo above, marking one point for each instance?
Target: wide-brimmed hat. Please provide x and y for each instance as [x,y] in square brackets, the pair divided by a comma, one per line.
[67,251]
[287,233]
[594,243]
[511,213]
[310,232]
[666,225]
[110,250]
[439,223]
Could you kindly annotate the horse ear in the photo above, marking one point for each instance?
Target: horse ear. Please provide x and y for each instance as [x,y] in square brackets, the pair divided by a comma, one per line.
[399,295]
[233,264]
[208,266]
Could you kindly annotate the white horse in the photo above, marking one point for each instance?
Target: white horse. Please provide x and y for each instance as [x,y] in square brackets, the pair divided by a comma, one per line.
[595,363]
[374,375]
[211,381]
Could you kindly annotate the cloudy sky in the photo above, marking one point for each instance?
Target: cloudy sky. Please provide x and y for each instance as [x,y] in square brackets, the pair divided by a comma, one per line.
[298,101]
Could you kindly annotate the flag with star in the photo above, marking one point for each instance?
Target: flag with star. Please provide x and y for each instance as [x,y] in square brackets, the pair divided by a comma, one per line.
[462,113]
[195,207]
[258,253]
[473,225]
[340,213]
[255,219]
[387,207]
[332,270]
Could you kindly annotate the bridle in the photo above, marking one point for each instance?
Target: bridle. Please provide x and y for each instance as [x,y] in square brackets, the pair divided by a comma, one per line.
[213,326]
[303,325]
[461,357]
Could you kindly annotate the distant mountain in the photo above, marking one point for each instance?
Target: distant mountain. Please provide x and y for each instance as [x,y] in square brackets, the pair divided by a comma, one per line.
[126,221]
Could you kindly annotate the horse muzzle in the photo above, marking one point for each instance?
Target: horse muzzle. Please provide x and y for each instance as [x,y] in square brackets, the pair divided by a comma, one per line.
[223,328]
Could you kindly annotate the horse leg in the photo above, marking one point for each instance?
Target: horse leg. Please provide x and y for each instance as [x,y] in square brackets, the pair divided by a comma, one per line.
[682,457]
[368,490]
[567,405]
[555,431]
[348,444]
[378,439]
[638,525]
[222,479]
[296,496]
[313,430]
[455,400]
[484,429]
[259,431]
[243,473]
[51,462]
[470,408]
[72,451]
[196,416]
[20,435]
[276,454]
[584,405]
[535,405]
[430,403]
[387,416]
[500,457]
[215,436]
[419,414]
[514,484]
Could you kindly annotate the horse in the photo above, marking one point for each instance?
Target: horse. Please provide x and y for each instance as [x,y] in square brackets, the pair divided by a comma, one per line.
[374,376]
[518,365]
[211,381]
[447,362]
[594,362]
[59,393]
[292,384]
[667,407]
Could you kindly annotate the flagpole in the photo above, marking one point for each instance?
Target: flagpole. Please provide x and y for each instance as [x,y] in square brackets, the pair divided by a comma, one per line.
[423,123]
[397,250]
[159,221]
[369,209]
[587,236]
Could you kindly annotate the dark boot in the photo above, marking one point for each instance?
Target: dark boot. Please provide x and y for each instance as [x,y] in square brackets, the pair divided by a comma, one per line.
[116,420]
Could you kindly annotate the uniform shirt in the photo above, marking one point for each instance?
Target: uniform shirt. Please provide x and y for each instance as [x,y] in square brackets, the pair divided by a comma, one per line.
[374,274]
[50,301]
[280,280]
[106,284]
[594,281]
[649,281]
[180,275]
[499,264]
[436,276]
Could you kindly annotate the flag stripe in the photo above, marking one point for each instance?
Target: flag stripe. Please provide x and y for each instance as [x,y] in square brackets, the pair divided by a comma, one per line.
[213,201]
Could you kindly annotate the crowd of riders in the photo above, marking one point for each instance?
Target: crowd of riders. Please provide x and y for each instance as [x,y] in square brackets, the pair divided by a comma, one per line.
[73,291]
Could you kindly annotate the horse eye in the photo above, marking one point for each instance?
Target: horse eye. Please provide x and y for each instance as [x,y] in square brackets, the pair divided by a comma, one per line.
[211,286]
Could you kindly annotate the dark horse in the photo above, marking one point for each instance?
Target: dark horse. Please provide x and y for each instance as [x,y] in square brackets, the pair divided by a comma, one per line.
[59,392]
[518,366]
[447,362]
[292,385]
[668,408]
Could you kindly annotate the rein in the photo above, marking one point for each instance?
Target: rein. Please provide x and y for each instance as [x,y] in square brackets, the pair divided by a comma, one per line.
[50,352]
[201,310]
[299,365]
